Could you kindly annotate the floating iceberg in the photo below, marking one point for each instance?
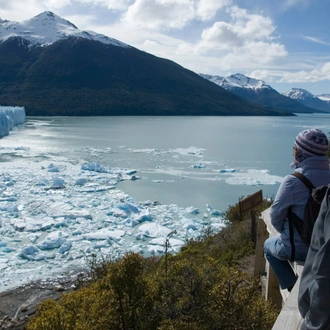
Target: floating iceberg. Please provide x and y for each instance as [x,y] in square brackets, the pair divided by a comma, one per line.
[227,170]
[199,165]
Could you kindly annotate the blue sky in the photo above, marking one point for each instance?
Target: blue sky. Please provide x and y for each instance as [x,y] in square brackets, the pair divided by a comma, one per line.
[286,43]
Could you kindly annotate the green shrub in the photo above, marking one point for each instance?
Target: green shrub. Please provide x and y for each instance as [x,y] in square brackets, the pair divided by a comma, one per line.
[200,288]
[190,296]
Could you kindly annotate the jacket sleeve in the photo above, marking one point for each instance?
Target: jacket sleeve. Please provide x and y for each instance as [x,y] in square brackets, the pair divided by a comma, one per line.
[318,314]
[283,200]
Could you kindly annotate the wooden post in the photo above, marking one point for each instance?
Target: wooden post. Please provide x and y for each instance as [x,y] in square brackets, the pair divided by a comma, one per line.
[272,290]
[253,226]
[248,204]
[260,261]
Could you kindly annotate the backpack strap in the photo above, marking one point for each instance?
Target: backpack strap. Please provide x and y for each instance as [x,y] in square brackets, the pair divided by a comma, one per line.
[293,248]
[291,215]
[306,181]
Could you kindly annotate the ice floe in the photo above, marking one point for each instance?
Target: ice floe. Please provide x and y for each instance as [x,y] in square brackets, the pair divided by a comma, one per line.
[55,213]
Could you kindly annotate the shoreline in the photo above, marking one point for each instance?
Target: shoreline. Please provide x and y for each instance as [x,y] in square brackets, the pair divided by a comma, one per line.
[18,304]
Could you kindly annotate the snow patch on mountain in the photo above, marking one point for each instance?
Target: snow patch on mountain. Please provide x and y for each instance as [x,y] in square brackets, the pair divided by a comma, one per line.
[324,97]
[237,80]
[47,28]
[299,94]
[308,99]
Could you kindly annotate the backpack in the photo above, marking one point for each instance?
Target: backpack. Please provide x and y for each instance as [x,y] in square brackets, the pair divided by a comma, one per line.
[305,226]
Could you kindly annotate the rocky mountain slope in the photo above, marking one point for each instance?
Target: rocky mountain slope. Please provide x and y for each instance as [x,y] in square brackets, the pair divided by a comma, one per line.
[52,68]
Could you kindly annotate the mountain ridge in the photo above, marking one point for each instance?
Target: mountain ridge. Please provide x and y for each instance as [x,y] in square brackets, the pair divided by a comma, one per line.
[47,28]
[259,92]
[77,76]
[306,98]
[71,72]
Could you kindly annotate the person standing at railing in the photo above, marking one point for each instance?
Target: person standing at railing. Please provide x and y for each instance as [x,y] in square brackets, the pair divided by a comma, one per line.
[314,289]
[310,158]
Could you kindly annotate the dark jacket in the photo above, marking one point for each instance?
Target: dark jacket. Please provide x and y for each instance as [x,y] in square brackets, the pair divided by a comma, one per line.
[314,290]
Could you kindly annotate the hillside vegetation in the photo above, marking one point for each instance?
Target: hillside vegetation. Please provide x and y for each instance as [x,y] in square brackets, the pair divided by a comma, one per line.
[204,287]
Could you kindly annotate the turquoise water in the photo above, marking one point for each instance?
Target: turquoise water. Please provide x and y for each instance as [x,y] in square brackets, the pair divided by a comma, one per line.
[188,161]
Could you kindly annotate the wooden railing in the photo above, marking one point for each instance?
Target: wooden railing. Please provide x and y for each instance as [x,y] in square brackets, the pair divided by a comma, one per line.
[289,317]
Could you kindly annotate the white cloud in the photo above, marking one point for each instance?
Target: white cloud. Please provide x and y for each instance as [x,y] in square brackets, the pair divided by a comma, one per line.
[244,42]
[315,75]
[12,10]
[55,4]
[244,31]
[265,75]
[252,56]
[120,5]
[264,53]
[160,14]
[83,22]
[296,3]
[207,9]
[221,35]
[251,26]
[316,40]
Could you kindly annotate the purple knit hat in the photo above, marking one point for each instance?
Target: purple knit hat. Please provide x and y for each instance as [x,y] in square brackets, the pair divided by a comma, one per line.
[310,142]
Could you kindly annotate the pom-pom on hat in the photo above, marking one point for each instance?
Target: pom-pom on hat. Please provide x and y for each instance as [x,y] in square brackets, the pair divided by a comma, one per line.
[310,142]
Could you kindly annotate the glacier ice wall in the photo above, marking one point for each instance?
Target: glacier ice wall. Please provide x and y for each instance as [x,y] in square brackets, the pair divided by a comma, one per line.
[10,117]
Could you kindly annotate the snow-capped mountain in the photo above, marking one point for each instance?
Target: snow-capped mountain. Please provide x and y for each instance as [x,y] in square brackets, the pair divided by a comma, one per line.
[299,94]
[51,67]
[308,99]
[47,28]
[324,97]
[237,80]
[259,92]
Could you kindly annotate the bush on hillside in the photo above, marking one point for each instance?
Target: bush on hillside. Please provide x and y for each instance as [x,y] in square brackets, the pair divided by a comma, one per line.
[201,288]
[135,294]
[229,245]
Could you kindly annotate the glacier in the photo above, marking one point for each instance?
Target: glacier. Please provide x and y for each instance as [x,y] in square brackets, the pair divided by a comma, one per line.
[9,118]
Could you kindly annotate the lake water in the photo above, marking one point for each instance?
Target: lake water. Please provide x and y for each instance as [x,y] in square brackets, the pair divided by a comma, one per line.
[67,187]
[189,161]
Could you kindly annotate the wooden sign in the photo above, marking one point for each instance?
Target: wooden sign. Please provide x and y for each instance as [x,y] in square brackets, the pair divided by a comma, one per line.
[249,203]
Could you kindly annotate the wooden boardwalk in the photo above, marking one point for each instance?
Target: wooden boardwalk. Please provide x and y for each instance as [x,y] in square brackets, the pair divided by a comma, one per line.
[289,317]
